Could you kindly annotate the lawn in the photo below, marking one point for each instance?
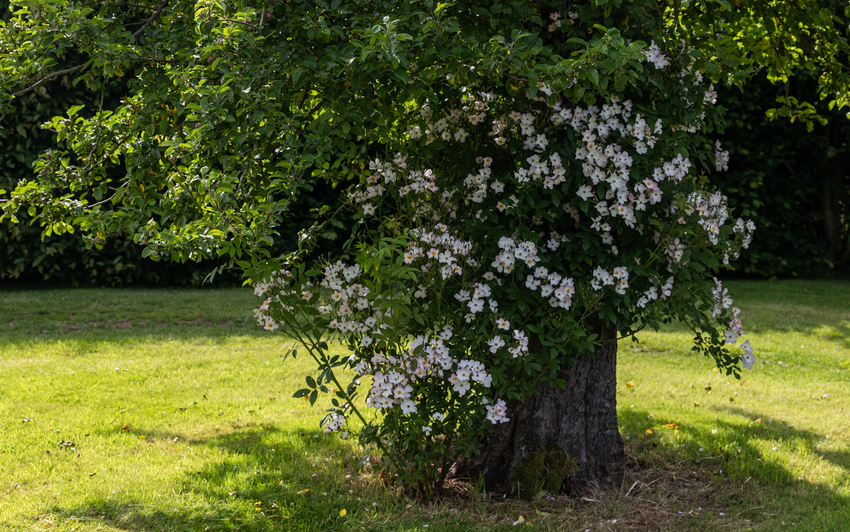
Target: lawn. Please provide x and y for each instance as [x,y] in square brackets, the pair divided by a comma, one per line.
[169,410]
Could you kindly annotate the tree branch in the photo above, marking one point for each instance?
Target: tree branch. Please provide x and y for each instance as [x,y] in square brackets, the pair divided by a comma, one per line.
[155,60]
[242,177]
[104,201]
[253,26]
[89,167]
[99,131]
[316,107]
[54,75]
[123,25]
[47,78]
[149,21]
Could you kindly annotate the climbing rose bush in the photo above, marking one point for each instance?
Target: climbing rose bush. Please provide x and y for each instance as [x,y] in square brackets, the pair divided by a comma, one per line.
[499,236]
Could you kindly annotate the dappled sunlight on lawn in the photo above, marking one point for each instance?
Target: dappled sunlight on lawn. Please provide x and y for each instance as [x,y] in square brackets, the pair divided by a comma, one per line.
[785,424]
[192,425]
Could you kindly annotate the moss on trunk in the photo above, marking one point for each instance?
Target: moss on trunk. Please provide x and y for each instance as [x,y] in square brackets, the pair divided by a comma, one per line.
[545,469]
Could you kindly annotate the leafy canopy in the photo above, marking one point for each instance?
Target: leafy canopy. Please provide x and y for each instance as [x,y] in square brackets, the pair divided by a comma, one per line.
[235,107]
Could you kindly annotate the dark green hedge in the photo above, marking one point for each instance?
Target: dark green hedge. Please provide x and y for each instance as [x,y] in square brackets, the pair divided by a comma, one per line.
[793,183]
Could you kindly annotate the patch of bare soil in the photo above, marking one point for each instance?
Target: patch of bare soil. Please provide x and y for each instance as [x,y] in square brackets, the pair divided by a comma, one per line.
[127,324]
[654,497]
[196,321]
[81,326]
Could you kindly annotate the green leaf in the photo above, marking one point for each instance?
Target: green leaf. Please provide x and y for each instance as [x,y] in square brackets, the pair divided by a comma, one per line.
[441,6]
[401,75]
[296,75]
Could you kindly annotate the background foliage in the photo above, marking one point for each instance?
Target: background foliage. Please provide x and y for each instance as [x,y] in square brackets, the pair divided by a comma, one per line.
[794,183]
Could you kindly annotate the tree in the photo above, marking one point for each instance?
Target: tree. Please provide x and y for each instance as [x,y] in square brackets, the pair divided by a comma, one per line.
[528,190]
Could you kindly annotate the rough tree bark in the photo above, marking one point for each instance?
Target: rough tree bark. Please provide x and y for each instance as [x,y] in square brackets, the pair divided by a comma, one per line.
[580,419]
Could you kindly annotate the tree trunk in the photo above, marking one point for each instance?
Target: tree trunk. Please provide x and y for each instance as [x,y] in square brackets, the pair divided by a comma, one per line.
[832,180]
[526,454]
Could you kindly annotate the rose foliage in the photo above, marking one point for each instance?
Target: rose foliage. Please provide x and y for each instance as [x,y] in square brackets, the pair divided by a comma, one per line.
[529,175]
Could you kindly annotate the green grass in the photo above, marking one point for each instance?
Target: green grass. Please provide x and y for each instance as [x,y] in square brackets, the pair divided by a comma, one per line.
[784,429]
[168,410]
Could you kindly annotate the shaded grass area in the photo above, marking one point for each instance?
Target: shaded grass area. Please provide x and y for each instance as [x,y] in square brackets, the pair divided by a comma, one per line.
[166,410]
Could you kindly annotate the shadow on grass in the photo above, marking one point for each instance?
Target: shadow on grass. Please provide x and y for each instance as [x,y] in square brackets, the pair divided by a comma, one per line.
[777,430]
[820,309]
[734,454]
[255,487]
[835,332]
[91,333]
[797,306]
